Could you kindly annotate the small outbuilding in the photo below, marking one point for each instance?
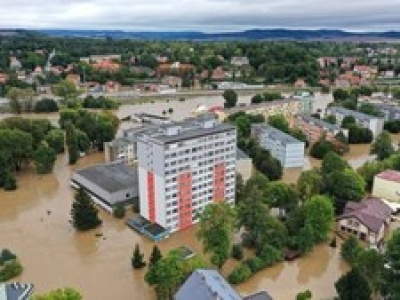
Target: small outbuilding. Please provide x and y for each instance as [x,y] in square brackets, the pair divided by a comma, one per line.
[108,184]
[387,185]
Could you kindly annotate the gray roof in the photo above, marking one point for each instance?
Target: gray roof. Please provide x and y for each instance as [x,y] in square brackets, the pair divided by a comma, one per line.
[15,291]
[275,134]
[188,129]
[111,177]
[356,114]
[320,123]
[263,295]
[206,285]
[241,155]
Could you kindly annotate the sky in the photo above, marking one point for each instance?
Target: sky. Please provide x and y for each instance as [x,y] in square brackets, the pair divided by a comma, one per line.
[202,15]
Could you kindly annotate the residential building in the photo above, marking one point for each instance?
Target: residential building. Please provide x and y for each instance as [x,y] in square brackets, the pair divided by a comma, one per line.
[205,284]
[107,65]
[391,112]
[368,219]
[16,291]
[244,165]
[124,149]
[149,119]
[240,61]
[375,124]
[100,58]
[306,102]
[183,167]
[74,78]
[15,64]
[112,86]
[172,81]
[286,107]
[387,185]
[3,78]
[315,128]
[108,184]
[175,68]
[285,148]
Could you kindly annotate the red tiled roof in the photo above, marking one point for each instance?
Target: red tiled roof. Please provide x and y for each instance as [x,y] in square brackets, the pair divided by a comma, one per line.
[390,175]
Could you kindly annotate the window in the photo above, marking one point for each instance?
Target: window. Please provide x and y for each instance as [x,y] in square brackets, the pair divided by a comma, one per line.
[128,195]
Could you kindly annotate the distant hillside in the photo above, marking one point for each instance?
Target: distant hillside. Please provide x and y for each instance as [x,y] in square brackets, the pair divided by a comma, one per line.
[255,34]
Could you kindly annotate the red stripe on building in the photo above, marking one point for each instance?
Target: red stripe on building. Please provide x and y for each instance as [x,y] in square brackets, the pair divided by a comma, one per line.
[185,200]
[151,197]
[219,182]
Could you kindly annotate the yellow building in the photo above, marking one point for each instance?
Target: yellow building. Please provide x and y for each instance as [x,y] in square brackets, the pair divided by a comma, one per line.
[387,185]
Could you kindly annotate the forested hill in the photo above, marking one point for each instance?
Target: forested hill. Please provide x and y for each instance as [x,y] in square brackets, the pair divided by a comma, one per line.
[256,34]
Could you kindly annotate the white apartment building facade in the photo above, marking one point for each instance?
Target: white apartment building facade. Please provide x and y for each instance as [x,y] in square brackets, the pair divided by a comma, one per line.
[375,124]
[285,148]
[183,167]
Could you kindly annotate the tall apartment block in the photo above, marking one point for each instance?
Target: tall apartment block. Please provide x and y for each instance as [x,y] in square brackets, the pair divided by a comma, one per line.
[285,148]
[183,167]
[375,124]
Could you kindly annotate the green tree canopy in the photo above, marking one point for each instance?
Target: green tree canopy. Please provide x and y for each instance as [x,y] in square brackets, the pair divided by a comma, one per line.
[382,146]
[84,214]
[230,97]
[60,294]
[216,227]
[353,286]
[319,215]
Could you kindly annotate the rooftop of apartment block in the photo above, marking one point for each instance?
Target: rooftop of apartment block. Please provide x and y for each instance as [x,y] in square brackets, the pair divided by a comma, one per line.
[276,134]
[319,122]
[355,114]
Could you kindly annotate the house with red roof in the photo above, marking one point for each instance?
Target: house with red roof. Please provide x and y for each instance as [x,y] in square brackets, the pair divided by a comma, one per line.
[368,219]
[387,185]
[3,78]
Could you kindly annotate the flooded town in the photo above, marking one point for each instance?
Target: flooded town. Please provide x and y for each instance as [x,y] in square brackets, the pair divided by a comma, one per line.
[190,166]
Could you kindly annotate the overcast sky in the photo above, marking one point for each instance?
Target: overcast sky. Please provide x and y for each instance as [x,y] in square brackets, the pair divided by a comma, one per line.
[204,15]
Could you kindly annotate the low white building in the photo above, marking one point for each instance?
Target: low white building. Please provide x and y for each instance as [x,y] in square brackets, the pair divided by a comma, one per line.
[285,148]
[387,185]
[108,184]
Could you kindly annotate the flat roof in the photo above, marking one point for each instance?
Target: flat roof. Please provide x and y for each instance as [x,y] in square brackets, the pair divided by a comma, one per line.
[241,155]
[319,122]
[355,114]
[390,175]
[192,128]
[112,177]
[276,134]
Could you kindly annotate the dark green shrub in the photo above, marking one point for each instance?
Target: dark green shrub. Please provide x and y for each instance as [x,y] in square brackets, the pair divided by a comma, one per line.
[237,252]
[119,211]
[239,274]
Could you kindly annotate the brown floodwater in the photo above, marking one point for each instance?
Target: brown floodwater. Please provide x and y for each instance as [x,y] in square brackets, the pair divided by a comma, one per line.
[34,223]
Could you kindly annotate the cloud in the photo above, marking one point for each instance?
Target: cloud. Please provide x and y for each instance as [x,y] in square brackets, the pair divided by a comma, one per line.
[206,15]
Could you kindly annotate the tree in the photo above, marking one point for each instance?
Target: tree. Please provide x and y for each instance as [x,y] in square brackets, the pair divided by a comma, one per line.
[137,259]
[348,122]
[230,97]
[279,122]
[18,145]
[370,263]
[319,215]
[382,147]
[391,287]
[368,171]
[257,99]
[20,99]
[353,286]
[55,139]
[282,196]
[359,135]
[65,89]
[351,249]
[237,252]
[215,231]
[10,269]
[155,256]
[321,147]
[330,119]
[84,214]
[10,183]
[305,239]
[60,294]
[306,295]
[370,109]
[333,162]
[340,95]
[344,186]
[119,211]
[44,159]
[309,184]
[46,105]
